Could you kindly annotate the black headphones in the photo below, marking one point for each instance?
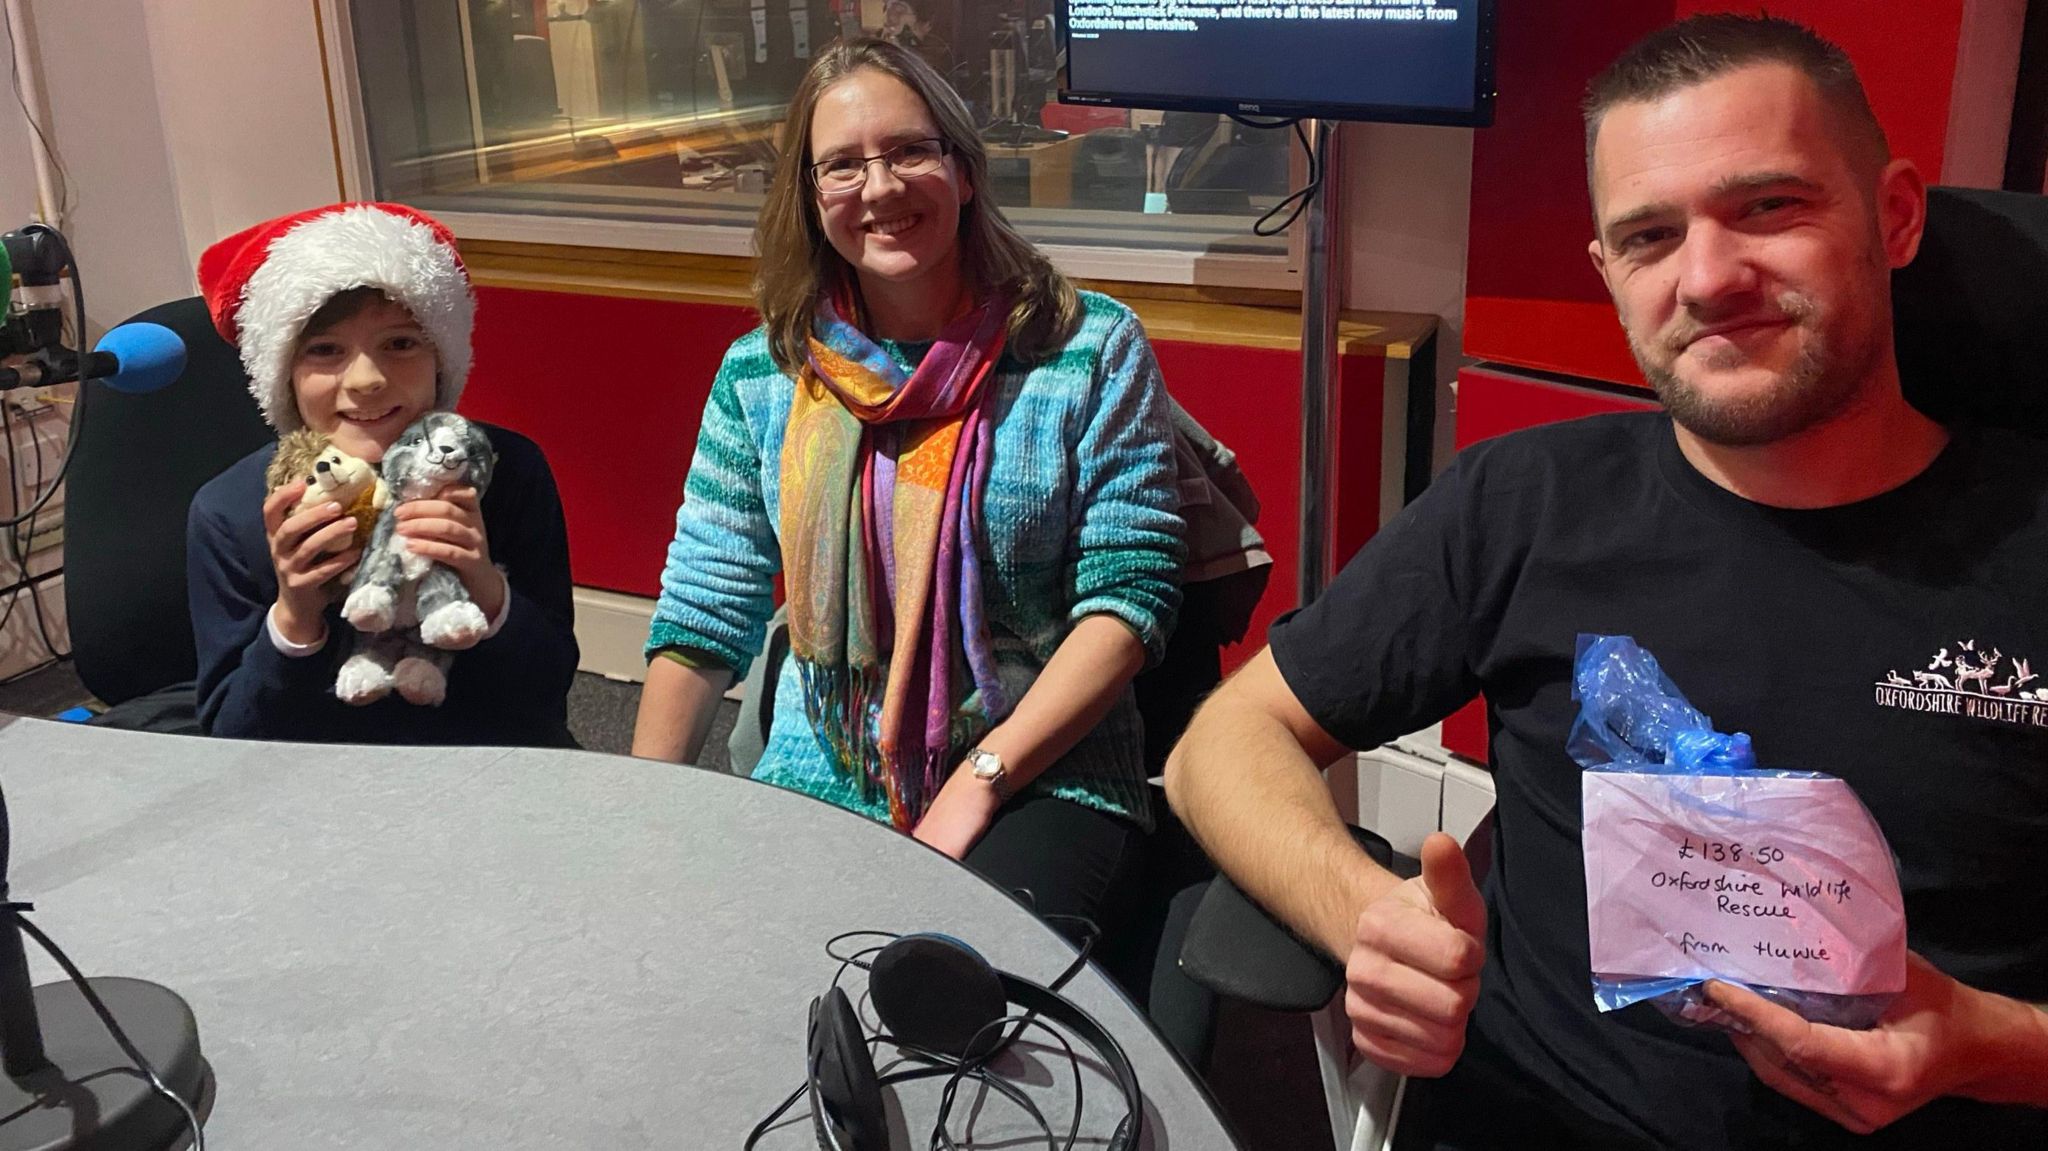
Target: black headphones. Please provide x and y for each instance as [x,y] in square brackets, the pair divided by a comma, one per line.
[941,1002]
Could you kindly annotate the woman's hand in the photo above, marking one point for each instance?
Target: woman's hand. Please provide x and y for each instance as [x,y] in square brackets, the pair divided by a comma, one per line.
[1070,696]
[307,550]
[959,814]
[450,530]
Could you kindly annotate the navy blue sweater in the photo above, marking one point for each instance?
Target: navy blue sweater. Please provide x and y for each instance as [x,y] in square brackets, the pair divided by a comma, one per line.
[512,688]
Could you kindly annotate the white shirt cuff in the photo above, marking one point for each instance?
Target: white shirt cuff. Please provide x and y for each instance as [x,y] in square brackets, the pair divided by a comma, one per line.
[504,607]
[286,647]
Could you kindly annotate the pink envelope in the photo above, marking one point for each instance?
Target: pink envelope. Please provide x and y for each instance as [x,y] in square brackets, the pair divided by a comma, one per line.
[1768,880]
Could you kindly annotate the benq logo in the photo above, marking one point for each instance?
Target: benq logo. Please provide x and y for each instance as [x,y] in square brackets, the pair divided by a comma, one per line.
[1248,107]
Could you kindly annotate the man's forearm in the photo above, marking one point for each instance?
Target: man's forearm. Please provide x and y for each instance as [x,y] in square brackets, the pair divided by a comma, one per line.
[2015,1059]
[1258,805]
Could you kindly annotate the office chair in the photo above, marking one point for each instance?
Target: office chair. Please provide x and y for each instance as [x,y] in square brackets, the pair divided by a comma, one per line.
[133,474]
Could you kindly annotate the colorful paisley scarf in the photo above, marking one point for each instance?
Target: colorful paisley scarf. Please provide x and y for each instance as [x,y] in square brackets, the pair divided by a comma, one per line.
[882,481]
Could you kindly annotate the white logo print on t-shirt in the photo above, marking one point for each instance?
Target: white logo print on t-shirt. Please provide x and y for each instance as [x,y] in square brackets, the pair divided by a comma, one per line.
[1980,684]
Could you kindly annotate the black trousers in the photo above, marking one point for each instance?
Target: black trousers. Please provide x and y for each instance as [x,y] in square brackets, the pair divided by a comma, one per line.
[1484,1104]
[1062,859]
[1078,861]
[1141,890]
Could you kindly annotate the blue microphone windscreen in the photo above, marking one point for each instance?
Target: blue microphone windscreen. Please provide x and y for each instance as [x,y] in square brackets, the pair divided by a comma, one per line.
[151,355]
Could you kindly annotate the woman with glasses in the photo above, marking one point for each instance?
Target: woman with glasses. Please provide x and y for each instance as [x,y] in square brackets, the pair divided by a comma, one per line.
[963,470]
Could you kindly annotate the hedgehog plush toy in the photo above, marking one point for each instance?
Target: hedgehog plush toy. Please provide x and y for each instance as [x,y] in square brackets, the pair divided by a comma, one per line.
[332,476]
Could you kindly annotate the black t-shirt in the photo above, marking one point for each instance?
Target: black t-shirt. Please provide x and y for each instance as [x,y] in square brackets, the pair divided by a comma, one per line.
[1804,629]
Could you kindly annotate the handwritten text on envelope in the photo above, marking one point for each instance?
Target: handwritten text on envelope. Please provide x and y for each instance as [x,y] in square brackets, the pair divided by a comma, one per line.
[1765,880]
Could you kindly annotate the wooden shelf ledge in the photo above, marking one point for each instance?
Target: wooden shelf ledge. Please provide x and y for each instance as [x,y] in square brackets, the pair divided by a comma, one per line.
[1239,318]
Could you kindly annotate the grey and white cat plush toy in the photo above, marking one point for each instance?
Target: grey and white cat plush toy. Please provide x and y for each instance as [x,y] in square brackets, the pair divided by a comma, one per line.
[414,613]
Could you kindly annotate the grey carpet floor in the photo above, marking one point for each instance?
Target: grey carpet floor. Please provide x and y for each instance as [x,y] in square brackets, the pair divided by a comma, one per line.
[46,692]
[601,715]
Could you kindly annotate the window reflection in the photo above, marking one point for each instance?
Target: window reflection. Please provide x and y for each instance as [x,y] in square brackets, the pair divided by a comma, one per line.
[580,106]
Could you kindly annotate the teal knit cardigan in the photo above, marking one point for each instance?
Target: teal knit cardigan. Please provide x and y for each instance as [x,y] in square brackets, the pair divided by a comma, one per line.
[1082,519]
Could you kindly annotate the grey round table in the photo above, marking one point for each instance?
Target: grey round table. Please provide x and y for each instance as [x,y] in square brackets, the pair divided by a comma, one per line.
[495,948]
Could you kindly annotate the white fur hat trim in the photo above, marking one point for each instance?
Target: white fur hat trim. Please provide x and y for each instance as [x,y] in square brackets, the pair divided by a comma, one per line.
[356,246]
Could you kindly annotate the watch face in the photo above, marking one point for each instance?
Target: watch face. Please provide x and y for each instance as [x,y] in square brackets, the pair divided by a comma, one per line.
[987,765]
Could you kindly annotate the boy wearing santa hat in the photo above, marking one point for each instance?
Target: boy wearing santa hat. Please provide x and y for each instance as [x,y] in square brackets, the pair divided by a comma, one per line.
[354,320]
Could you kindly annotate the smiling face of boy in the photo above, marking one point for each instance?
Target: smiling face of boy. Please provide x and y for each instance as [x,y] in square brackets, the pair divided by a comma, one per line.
[362,379]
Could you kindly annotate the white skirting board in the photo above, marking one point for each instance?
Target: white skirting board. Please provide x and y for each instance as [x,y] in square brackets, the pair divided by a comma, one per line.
[1468,797]
[1400,795]
[611,630]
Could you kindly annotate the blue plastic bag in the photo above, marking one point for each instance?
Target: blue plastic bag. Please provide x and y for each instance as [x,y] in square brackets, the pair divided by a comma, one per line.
[1633,719]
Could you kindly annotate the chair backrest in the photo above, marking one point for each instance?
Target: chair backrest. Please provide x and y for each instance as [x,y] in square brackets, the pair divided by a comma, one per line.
[1972,310]
[133,471]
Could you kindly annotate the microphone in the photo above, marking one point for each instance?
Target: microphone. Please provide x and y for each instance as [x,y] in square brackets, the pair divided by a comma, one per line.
[132,358]
[32,318]
[89,1062]
[138,358]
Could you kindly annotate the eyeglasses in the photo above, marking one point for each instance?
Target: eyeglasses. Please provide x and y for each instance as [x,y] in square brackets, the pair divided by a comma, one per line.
[842,175]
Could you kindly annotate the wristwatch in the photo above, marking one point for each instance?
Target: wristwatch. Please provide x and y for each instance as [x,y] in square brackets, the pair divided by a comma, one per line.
[988,767]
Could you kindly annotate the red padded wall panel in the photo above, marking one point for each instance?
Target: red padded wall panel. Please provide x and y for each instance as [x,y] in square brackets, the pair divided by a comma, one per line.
[1532,295]
[1493,401]
[1905,53]
[612,390]
[1250,398]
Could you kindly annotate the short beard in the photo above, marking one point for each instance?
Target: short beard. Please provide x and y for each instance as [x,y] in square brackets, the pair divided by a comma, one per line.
[1811,392]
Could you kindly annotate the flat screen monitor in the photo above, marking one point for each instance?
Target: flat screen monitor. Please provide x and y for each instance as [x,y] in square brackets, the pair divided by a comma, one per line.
[1399,61]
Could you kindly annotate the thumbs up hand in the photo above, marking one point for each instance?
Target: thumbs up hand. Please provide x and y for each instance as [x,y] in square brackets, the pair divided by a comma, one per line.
[1413,972]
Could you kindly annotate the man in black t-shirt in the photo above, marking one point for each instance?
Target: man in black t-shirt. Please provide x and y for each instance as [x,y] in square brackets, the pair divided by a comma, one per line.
[1861,589]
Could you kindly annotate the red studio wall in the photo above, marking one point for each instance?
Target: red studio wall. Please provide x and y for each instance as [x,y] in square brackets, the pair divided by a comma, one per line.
[612,389]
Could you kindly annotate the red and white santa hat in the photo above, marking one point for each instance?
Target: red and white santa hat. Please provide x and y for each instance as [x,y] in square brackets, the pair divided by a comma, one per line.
[263,284]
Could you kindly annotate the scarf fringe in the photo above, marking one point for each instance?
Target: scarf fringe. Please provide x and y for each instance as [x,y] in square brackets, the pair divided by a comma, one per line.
[937,766]
[838,701]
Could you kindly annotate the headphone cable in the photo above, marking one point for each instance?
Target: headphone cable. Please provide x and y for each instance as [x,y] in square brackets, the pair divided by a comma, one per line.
[941,1138]
[941,1066]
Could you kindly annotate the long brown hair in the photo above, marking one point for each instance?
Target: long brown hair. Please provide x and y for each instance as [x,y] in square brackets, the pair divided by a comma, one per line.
[797,262]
